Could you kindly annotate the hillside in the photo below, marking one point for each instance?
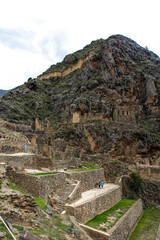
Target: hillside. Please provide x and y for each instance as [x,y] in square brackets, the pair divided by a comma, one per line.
[95,115]
[2,92]
[117,64]
[103,99]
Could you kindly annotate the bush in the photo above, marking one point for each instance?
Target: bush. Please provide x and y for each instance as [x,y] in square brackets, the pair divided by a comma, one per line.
[65,132]
[134,182]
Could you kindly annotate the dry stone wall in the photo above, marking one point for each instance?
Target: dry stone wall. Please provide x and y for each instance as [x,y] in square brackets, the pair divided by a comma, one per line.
[39,186]
[88,210]
[124,226]
[67,71]
[151,173]
[27,161]
[18,162]
[88,179]
[95,234]
[122,229]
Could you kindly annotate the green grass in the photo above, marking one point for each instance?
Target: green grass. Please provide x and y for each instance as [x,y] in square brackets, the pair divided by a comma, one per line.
[41,203]
[14,187]
[107,219]
[82,170]
[89,166]
[147,226]
[3,229]
[54,228]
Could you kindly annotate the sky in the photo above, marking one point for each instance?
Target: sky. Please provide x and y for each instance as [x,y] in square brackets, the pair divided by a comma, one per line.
[34,34]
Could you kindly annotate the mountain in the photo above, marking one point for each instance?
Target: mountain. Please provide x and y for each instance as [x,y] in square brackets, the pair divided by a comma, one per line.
[103,99]
[2,92]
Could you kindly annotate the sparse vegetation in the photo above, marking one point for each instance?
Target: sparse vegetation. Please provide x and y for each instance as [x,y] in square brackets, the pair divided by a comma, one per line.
[3,229]
[41,203]
[53,228]
[65,132]
[147,226]
[89,165]
[86,166]
[14,187]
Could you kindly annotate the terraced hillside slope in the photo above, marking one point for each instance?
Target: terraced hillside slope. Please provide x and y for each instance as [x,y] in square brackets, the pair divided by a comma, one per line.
[103,99]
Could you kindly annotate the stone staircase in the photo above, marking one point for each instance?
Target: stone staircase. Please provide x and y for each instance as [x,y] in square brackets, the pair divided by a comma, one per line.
[63,195]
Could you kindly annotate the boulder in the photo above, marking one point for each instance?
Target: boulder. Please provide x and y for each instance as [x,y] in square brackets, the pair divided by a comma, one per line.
[25,235]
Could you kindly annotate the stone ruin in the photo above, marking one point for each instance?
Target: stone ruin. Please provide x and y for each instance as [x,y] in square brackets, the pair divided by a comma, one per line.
[15,207]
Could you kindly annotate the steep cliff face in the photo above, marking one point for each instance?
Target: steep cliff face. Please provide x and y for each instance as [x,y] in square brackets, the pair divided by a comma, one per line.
[104,98]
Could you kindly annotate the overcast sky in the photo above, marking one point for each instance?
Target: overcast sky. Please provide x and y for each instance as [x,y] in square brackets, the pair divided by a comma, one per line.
[35,34]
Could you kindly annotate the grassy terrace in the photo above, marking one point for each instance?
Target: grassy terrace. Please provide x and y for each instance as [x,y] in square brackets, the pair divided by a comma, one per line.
[86,167]
[147,226]
[107,219]
[53,227]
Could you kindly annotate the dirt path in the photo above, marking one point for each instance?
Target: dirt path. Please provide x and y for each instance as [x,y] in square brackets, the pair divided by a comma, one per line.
[17,154]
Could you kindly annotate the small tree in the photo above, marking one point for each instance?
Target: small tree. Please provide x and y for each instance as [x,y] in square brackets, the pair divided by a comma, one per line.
[134,182]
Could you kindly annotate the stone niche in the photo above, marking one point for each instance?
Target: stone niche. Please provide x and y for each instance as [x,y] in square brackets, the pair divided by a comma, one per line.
[34,139]
[37,125]
[47,150]
[76,117]
[123,114]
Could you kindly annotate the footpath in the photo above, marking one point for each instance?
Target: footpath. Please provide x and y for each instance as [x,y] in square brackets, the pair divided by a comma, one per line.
[94,193]
[16,154]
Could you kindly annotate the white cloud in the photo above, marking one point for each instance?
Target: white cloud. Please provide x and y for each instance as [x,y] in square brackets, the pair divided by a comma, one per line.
[35,34]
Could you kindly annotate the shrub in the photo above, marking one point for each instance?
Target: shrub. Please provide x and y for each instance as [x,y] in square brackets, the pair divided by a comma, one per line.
[135,182]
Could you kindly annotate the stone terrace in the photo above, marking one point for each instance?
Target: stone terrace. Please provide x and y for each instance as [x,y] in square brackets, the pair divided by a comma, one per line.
[94,201]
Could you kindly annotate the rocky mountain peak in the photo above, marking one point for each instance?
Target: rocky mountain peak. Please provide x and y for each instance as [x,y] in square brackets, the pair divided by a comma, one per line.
[105,78]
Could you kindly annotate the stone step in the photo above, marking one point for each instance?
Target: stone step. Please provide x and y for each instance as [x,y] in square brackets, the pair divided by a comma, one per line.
[64,195]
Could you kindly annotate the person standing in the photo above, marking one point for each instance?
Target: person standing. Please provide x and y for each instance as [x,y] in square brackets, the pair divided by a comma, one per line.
[102,184]
[25,148]
[99,184]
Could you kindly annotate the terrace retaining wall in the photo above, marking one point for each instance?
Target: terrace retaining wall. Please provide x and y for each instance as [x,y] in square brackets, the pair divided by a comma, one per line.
[122,229]
[89,209]
[39,186]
